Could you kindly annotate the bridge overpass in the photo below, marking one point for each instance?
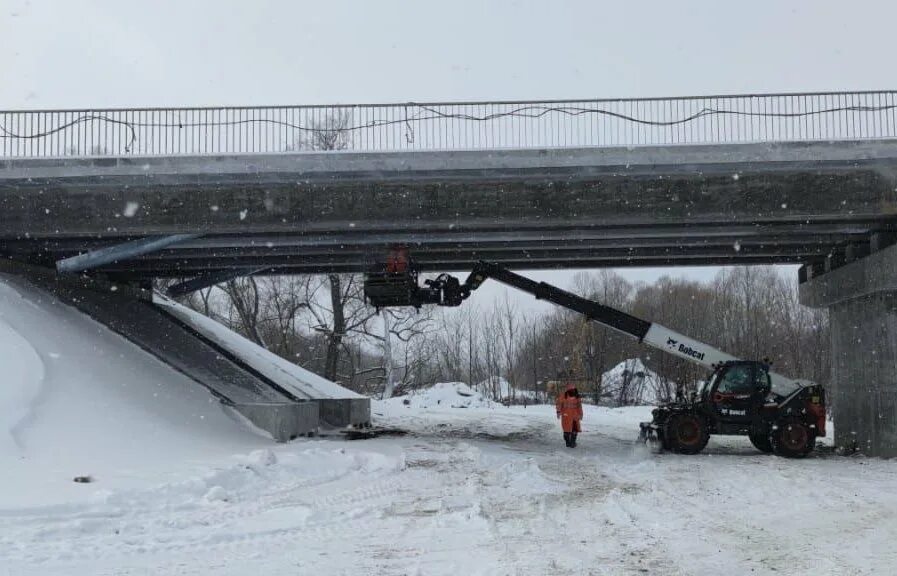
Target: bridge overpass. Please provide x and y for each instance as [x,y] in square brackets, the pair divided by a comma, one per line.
[207,192]
[711,180]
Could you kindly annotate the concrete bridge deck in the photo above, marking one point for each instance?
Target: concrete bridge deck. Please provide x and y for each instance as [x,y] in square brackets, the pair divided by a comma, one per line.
[313,212]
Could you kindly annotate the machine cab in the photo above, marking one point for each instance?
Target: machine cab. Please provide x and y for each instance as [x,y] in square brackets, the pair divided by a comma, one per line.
[737,390]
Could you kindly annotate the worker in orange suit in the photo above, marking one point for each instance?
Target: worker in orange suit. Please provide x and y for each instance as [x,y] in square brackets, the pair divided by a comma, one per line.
[569,409]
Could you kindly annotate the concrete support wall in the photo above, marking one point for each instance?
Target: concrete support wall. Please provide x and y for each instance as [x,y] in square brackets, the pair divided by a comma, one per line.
[864,373]
[340,413]
[862,301]
[285,421]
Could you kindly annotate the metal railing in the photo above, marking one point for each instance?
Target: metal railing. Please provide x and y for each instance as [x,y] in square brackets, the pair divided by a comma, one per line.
[449,126]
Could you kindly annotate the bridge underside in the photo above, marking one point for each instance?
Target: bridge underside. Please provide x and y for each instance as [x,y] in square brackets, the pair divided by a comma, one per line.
[686,205]
[707,244]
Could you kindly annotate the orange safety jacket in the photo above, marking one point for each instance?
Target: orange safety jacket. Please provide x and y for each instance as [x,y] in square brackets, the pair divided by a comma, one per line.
[569,410]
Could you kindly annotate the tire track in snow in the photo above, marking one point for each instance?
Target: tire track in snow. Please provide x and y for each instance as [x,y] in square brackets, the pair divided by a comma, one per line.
[146,530]
[749,537]
[609,540]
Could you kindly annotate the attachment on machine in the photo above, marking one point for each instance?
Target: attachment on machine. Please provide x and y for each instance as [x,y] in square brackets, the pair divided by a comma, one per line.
[395,283]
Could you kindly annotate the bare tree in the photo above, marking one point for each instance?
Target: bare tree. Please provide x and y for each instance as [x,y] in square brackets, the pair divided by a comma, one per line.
[399,328]
[595,345]
[508,332]
[283,305]
[334,316]
[332,132]
[452,344]
[246,303]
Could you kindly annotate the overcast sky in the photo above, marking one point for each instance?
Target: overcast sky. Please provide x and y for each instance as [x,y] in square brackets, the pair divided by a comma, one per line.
[83,53]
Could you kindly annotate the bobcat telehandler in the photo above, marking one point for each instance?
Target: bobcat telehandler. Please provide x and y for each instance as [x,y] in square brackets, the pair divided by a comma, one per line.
[740,397]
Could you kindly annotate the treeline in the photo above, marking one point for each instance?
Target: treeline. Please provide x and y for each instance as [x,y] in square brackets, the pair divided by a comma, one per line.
[322,323]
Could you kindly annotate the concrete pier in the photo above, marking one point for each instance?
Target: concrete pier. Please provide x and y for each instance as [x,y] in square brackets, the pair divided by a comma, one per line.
[862,300]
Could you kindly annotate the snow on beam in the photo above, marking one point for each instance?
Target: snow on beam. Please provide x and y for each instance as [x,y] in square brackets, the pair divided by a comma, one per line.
[206,280]
[119,252]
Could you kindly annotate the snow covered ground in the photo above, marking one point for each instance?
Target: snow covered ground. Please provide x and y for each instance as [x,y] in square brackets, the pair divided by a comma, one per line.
[181,488]
[476,491]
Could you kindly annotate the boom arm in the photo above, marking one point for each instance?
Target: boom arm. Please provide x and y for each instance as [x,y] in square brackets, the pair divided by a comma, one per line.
[654,335]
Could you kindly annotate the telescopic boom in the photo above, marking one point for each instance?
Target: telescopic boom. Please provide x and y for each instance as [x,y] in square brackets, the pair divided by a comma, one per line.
[652,334]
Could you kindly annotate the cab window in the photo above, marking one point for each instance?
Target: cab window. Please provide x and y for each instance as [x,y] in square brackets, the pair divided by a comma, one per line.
[738,379]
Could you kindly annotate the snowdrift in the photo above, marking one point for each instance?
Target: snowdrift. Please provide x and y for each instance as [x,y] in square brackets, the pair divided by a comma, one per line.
[443,395]
[642,385]
[77,399]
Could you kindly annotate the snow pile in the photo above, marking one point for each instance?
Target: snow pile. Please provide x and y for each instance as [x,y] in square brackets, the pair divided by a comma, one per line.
[292,377]
[633,383]
[79,400]
[443,395]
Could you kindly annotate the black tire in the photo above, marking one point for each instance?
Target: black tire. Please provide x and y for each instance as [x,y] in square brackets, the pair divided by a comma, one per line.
[686,433]
[761,442]
[791,438]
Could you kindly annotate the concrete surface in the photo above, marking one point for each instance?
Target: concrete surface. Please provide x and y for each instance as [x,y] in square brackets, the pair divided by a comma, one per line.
[339,413]
[862,301]
[284,421]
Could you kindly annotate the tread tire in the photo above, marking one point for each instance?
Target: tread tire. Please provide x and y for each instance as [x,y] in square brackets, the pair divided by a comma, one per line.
[761,442]
[792,438]
[686,433]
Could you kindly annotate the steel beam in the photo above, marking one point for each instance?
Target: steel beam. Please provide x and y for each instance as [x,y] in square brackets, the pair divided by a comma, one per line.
[119,252]
[209,279]
[514,264]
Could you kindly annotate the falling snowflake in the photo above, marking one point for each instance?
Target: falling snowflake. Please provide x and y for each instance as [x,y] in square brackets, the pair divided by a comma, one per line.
[131,209]
[243,214]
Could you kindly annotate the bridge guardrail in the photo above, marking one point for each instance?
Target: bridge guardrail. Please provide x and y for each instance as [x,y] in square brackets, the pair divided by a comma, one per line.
[449,125]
